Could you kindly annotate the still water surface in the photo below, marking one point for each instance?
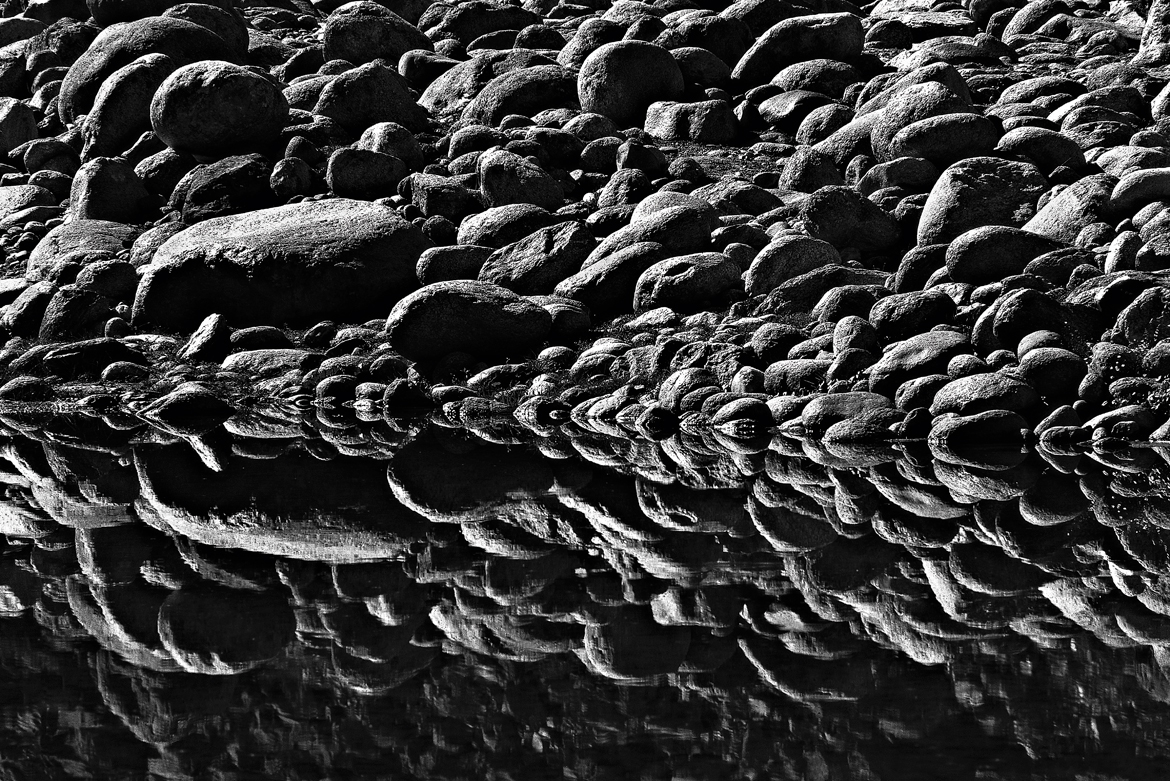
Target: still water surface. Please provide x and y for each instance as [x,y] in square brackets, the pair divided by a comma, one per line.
[380,599]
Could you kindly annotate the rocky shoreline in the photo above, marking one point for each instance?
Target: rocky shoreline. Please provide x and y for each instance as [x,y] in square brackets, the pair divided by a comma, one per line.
[859,224]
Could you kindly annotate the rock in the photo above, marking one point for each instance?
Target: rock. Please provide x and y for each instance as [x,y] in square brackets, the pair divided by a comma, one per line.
[108,189]
[902,315]
[121,108]
[369,94]
[209,342]
[787,257]
[705,122]
[182,41]
[947,138]
[362,32]
[989,253]
[1080,204]
[824,411]
[607,285]
[17,198]
[18,124]
[390,138]
[920,355]
[984,392]
[828,77]
[282,265]
[189,405]
[536,264]
[524,91]
[1054,372]
[363,174]
[1047,148]
[210,109]
[450,93]
[80,241]
[960,439]
[269,362]
[836,36]
[442,264]
[840,216]
[982,191]
[465,316]
[499,226]
[620,80]
[686,283]
[506,178]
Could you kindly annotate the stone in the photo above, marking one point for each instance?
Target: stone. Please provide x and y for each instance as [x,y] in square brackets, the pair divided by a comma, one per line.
[362,32]
[182,41]
[784,258]
[214,108]
[687,283]
[837,36]
[466,316]
[982,191]
[506,178]
[620,80]
[983,392]
[991,252]
[300,263]
[536,264]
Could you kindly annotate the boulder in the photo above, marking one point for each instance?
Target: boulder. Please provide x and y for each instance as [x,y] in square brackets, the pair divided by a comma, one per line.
[466,316]
[300,263]
[212,109]
[620,80]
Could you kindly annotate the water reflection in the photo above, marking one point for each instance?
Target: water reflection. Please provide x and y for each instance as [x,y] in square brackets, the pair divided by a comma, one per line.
[309,599]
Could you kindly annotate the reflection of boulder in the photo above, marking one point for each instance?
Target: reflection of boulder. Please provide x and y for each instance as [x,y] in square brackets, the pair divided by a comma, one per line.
[686,509]
[92,615]
[633,647]
[220,631]
[463,481]
[294,505]
[805,679]
[161,708]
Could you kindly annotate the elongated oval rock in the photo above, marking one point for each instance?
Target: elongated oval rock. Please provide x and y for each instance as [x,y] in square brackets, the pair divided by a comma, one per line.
[302,263]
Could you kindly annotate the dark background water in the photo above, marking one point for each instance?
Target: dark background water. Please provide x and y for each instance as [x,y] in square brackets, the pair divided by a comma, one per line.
[389,600]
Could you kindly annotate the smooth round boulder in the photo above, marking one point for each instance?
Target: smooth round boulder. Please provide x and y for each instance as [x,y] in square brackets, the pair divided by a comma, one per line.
[620,80]
[467,316]
[214,108]
[302,263]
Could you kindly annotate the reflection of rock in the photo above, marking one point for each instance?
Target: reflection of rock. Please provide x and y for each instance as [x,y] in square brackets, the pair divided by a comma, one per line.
[294,505]
[458,482]
[219,631]
[92,615]
[632,646]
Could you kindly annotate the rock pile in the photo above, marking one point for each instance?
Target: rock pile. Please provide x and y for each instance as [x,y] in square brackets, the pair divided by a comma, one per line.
[662,214]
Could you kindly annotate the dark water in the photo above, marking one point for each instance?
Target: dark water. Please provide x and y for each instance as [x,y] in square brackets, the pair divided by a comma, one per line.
[338,599]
